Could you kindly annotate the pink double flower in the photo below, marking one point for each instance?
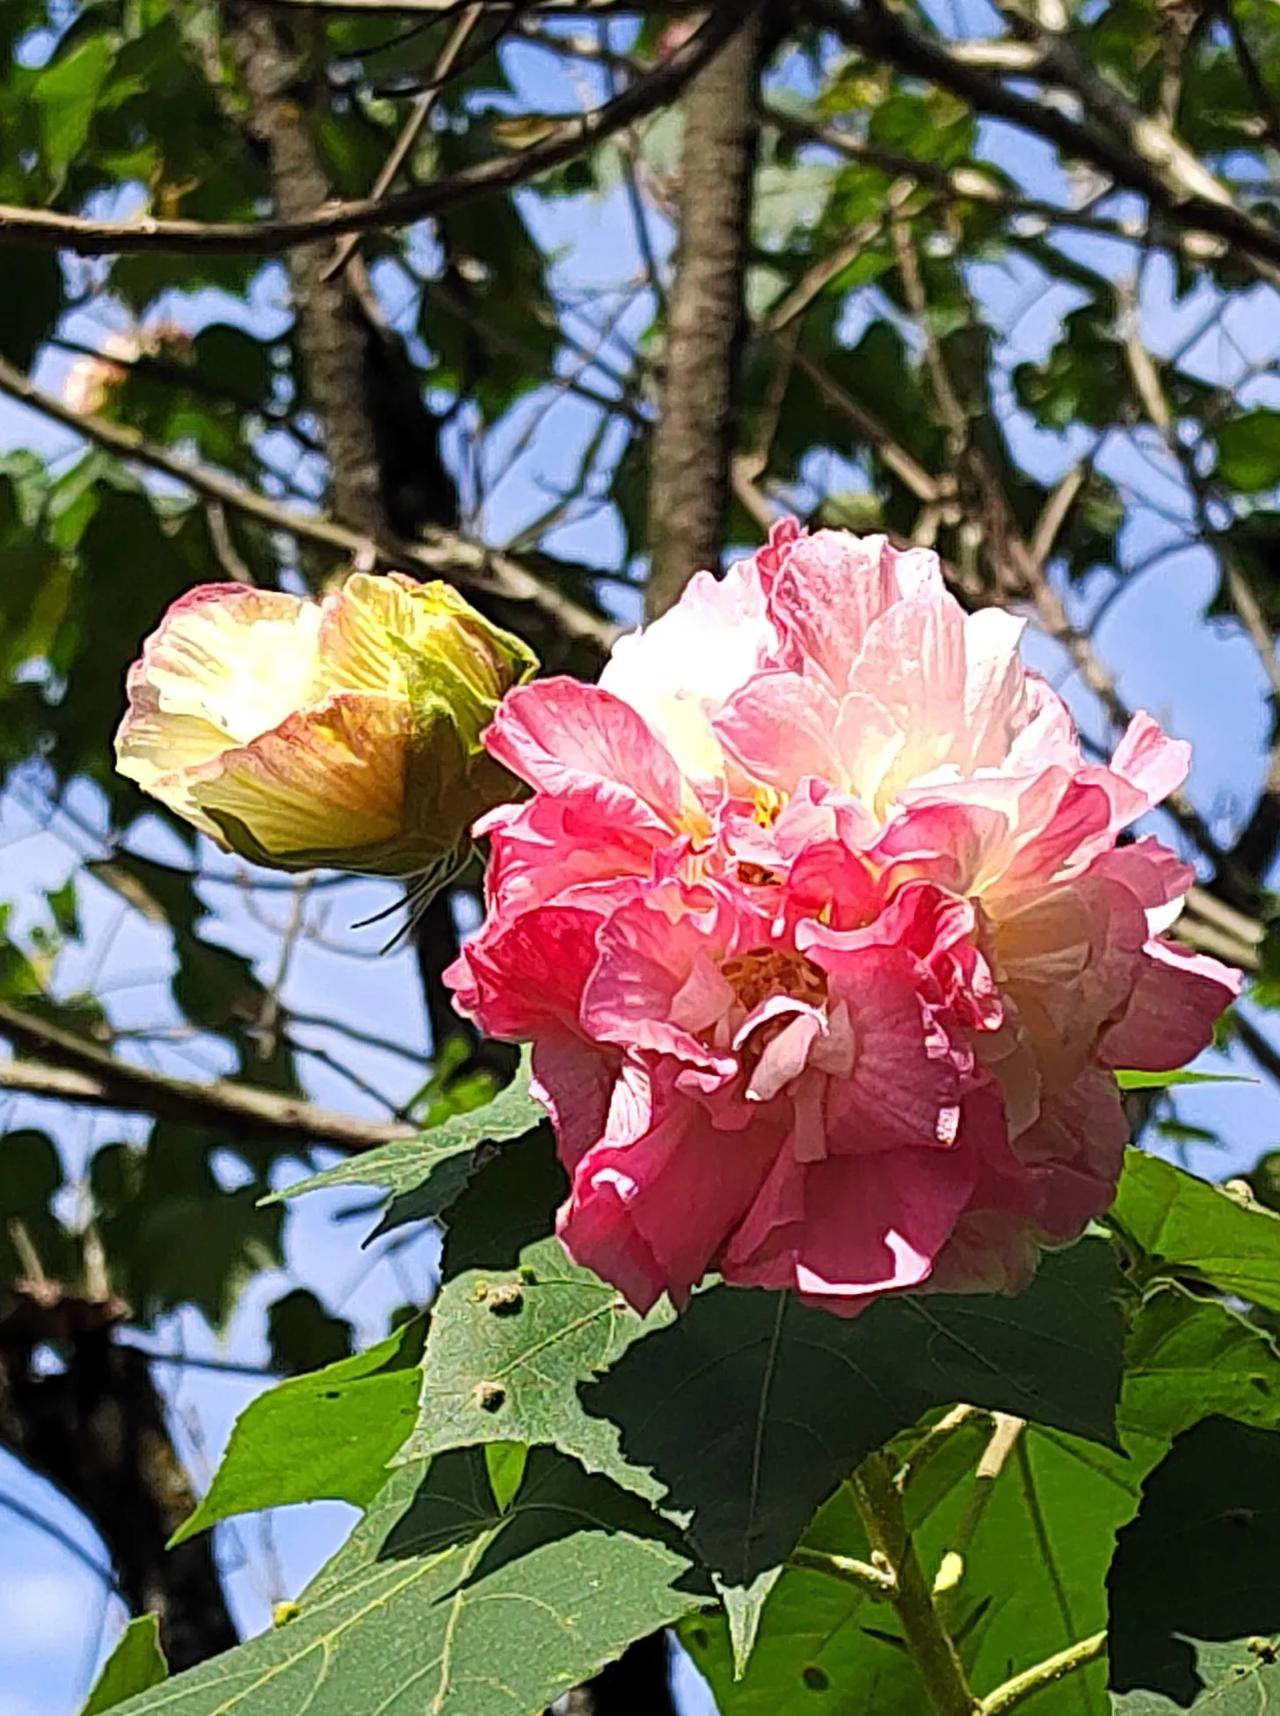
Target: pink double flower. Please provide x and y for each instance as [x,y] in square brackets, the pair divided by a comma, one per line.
[819,928]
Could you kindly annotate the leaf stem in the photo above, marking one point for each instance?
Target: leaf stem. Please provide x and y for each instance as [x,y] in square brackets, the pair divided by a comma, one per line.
[880,1504]
[874,1581]
[1020,1687]
[1004,1434]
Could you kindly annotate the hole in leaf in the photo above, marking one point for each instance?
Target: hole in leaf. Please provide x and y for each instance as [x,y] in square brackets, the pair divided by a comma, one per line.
[489,1396]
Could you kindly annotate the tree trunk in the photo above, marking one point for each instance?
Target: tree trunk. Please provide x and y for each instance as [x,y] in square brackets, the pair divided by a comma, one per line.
[98,1431]
[693,443]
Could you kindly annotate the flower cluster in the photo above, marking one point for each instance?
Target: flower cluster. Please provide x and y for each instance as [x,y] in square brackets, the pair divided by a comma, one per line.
[820,930]
[343,733]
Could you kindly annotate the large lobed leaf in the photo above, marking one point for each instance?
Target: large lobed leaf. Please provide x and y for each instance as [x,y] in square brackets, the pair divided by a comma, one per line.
[443,1603]
[1195,1598]
[435,1166]
[738,1417]
[1035,1563]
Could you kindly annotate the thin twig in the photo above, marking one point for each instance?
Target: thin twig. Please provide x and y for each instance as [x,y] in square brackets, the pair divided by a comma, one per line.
[1004,1434]
[63,1539]
[1017,1690]
[403,146]
[45,228]
[69,1068]
[441,553]
[871,1581]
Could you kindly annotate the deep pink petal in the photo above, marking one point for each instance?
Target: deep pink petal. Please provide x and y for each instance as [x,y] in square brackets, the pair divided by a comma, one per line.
[1174,1003]
[657,983]
[589,847]
[846,1229]
[518,981]
[902,1089]
[653,1211]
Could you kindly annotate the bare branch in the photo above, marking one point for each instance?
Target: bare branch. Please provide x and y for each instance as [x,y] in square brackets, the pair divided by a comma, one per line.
[440,554]
[45,228]
[1140,161]
[73,1070]
[412,129]
[445,8]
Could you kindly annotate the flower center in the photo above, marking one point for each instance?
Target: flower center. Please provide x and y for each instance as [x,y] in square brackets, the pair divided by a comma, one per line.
[763,972]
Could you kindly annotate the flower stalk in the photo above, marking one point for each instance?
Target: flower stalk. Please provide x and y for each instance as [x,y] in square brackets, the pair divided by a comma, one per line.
[932,1649]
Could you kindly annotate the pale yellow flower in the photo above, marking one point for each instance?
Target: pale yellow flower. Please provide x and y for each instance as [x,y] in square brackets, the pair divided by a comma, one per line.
[343,733]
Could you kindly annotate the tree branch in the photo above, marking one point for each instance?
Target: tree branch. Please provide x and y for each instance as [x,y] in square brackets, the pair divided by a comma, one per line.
[445,8]
[98,1431]
[330,342]
[45,228]
[973,184]
[690,478]
[1136,162]
[72,1070]
[440,554]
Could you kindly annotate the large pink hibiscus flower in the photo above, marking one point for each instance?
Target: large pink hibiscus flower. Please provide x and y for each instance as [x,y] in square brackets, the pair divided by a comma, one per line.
[819,928]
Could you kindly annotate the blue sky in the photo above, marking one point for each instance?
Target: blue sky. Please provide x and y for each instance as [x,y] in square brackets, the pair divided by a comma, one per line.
[56,1617]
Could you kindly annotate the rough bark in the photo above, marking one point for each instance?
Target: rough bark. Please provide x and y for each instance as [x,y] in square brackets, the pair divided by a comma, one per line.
[98,1431]
[385,473]
[330,339]
[693,442]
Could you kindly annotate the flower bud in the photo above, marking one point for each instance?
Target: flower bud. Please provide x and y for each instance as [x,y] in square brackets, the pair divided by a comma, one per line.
[343,733]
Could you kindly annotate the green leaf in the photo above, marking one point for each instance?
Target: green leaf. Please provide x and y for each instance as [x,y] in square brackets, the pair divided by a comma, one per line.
[1189,1357]
[135,1665]
[1249,451]
[1183,1226]
[751,1407]
[740,1415]
[1032,1581]
[1195,1602]
[149,1203]
[67,94]
[329,1435]
[505,1355]
[303,1335]
[505,1463]
[441,1602]
[31,1176]
[64,908]
[743,1607]
[1238,1678]
[33,294]
[432,1170]
[1166,1080]
[1033,1567]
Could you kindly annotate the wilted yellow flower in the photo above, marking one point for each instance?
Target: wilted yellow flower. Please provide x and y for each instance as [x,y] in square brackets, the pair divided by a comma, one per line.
[342,733]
